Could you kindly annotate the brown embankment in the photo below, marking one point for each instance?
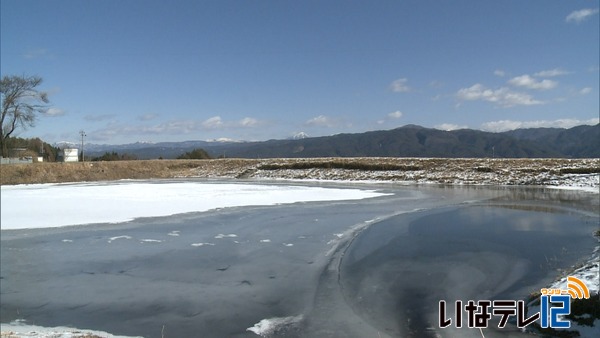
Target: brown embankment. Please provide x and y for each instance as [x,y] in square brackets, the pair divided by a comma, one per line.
[103,171]
[438,170]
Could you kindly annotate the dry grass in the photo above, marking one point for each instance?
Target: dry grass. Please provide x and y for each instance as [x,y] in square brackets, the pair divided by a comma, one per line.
[500,171]
[99,171]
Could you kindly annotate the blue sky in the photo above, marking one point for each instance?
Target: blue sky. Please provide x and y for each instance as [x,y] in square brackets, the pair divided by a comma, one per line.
[140,70]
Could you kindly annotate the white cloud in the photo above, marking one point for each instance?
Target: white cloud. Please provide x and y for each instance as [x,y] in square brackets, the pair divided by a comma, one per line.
[551,73]
[499,72]
[213,122]
[449,126]
[585,91]
[581,15]
[502,96]
[505,125]
[248,122]
[395,115]
[216,122]
[320,121]
[400,86]
[54,112]
[532,83]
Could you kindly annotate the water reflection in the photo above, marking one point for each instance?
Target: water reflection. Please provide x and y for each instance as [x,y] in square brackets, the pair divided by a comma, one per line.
[395,272]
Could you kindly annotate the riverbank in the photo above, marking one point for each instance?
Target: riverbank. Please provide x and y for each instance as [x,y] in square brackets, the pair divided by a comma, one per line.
[578,173]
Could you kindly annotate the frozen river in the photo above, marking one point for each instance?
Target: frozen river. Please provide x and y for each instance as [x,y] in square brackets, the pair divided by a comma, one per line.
[231,259]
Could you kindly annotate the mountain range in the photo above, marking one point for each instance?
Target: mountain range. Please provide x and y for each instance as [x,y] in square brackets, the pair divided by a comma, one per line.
[407,141]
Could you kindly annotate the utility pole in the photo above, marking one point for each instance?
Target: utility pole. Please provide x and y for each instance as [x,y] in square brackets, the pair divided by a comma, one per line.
[82,133]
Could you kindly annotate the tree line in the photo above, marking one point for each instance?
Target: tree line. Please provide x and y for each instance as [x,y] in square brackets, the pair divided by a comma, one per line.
[33,147]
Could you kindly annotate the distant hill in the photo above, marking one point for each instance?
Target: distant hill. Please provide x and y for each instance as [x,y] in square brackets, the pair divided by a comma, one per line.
[407,141]
[577,142]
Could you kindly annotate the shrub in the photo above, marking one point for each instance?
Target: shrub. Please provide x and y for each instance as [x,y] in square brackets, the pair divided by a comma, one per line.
[196,154]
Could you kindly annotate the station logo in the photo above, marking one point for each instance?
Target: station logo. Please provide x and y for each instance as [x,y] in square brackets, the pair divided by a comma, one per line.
[554,305]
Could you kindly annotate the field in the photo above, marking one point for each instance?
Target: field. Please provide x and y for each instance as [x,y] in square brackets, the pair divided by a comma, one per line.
[559,172]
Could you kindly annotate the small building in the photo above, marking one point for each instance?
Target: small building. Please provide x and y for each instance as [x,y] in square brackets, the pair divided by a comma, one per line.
[18,156]
[69,155]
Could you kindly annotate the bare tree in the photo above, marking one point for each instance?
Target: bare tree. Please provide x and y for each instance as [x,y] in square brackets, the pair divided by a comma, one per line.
[20,103]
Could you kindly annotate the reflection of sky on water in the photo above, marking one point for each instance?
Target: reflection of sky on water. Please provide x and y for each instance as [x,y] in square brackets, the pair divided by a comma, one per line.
[514,218]
[406,264]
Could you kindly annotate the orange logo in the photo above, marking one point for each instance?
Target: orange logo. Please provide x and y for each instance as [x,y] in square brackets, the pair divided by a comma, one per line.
[576,288]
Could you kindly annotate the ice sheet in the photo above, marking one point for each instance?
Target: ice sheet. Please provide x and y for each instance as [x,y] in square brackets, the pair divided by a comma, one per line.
[21,330]
[51,205]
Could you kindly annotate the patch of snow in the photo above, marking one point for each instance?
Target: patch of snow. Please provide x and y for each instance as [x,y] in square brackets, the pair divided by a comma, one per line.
[150,241]
[126,200]
[265,241]
[112,239]
[589,273]
[271,326]
[202,244]
[174,233]
[219,236]
[20,329]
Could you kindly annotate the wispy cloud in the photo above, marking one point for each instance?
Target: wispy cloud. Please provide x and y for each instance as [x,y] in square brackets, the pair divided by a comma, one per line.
[436,84]
[53,112]
[400,86]
[585,91]
[248,122]
[216,122]
[175,127]
[581,15]
[532,83]
[36,53]
[213,122]
[147,117]
[505,125]
[502,96]
[449,126]
[99,117]
[395,115]
[321,121]
[170,127]
[551,73]
[499,73]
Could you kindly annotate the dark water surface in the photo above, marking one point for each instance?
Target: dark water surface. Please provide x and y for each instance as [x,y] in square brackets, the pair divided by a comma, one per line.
[368,268]
[396,272]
